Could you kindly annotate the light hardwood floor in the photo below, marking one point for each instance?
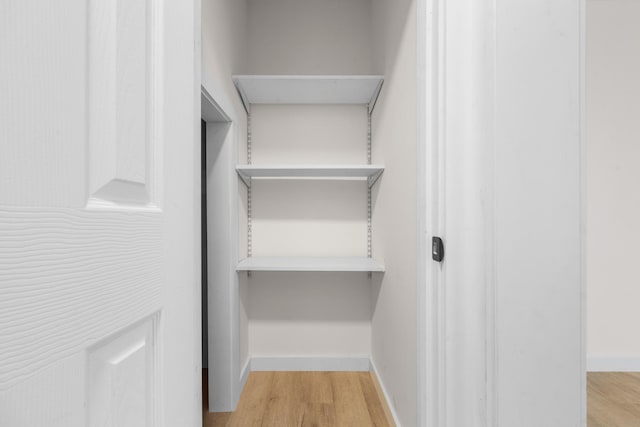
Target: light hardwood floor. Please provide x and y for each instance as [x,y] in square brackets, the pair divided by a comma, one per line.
[285,399]
[613,399]
[292,399]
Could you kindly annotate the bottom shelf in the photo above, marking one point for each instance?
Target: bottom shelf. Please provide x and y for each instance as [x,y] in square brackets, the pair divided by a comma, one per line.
[310,264]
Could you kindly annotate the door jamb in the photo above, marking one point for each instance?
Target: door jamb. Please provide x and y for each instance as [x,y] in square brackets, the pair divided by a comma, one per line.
[431,310]
[215,108]
[431,386]
[583,204]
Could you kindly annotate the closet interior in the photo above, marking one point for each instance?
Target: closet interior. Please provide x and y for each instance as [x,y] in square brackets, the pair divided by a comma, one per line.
[322,223]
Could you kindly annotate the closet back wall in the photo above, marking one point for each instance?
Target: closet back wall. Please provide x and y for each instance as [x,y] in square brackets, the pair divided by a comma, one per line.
[309,314]
[310,37]
[309,217]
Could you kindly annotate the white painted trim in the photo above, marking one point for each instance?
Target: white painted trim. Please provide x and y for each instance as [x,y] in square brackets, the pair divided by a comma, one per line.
[286,363]
[214,91]
[235,232]
[423,301]
[584,364]
[487,125]
[211,111]
[613,364]
[388,400]
[433,387]
[162,182]
[95,203]
[431,313]
[214,109]
[244,375]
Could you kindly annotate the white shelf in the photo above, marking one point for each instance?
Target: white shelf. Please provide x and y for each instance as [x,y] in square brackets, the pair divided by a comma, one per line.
[309,89]
[370,172]
[310,264]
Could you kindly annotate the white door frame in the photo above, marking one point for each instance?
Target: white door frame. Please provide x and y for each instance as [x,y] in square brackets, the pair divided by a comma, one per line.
[225,376]
[430,188]
[182,211]
[444,54]
[445,32]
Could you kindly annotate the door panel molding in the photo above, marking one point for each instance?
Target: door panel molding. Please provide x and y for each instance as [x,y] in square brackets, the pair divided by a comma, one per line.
[124,101]
[122,373]
[75,269]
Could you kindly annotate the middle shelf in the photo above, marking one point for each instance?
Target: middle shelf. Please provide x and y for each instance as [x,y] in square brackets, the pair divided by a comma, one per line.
[316,264]
[370,172]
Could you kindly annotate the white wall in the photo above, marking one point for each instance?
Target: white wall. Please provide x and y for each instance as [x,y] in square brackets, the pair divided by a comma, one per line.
[394,131]
[310,315]
[224,42]
[613,96]
[310,36]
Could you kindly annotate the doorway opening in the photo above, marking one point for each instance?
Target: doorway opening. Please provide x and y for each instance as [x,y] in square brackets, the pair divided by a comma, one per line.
[218,279]
[204,292]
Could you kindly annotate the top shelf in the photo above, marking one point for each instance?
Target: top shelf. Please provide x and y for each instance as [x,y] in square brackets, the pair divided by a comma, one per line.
[370,172]
[308,89]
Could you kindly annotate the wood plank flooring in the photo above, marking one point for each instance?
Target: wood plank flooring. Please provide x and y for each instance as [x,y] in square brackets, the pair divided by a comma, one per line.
[613,399]
[293,399]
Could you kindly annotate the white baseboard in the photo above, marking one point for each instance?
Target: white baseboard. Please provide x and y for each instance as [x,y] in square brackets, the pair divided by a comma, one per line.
[613,364]
[359,363]
[390,404]
[244,374]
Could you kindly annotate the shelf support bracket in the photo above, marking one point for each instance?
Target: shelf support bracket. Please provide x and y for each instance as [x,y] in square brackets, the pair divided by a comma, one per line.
[374,97]
[248,182]
[374,178]
[369,231]
[245,178]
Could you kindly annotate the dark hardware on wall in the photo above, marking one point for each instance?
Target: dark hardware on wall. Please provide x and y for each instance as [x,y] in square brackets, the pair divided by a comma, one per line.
[437,249]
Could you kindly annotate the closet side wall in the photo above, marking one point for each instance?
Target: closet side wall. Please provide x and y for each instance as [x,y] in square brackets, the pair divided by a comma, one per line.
[613,198]
[395,223]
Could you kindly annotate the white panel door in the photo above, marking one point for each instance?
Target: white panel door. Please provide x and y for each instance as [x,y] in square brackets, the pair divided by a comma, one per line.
[99,260]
